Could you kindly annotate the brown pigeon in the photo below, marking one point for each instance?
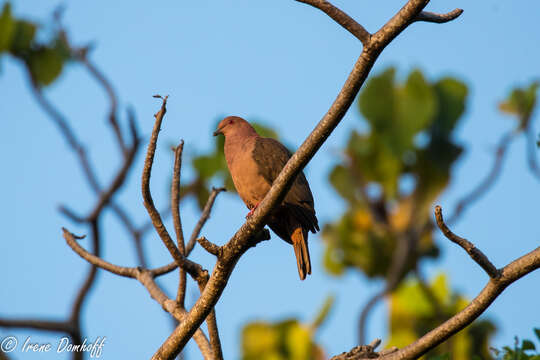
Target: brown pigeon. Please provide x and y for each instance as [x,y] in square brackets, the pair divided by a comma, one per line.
[254,163]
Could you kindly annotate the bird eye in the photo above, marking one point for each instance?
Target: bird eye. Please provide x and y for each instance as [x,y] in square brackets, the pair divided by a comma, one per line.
[231,121]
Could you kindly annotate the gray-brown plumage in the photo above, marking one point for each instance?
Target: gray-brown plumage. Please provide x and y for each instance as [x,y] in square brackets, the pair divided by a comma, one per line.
[254,163]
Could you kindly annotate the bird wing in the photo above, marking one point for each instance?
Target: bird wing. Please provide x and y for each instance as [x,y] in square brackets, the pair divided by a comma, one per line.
[271,156]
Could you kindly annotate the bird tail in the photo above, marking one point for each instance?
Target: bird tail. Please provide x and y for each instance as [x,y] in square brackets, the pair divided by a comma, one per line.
[299,239]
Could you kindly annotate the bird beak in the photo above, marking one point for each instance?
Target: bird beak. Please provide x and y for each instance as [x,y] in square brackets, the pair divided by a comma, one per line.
[217,132]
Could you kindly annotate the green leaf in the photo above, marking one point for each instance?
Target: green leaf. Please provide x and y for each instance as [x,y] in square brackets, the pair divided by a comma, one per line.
[341,180]
[521,102]
[22,37]
[416,106]
[45,65]
[7,27]
[451,96]
[207,165]
[527,345]
[377,100]
[537,332]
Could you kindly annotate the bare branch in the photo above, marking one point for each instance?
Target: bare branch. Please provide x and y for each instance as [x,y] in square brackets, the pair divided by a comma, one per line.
[532,150]
[204,217]
[90,278]
[118,181]
[477,255]
[45,325]
[438,18]
[175,209]
[147,196]
[102,80]
[146,278]
[360,352]
[341,18]
[209,246]
[96,260]
[509,274]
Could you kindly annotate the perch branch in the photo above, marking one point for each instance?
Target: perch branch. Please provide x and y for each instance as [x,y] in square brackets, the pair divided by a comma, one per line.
[477,255]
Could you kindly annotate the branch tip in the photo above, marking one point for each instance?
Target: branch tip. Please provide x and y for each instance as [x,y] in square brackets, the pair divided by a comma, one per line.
[432,17]
[209,246]
[477,255]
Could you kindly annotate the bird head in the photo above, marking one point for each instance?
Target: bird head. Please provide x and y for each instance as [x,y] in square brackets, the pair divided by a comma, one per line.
[233,125]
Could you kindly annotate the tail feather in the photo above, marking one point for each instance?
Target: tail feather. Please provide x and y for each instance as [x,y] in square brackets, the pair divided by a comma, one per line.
[301,251]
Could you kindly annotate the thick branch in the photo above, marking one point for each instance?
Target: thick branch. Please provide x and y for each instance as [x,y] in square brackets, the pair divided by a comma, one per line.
[341,18]
[438,18]
[477,255]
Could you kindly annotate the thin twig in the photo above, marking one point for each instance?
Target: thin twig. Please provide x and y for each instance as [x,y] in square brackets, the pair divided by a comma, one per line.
[341,18]
[532,150]
[477,255]
[175,209]
[98,75]
[147,196]
[204,217]
[438,18]
[90,278]
[209,246]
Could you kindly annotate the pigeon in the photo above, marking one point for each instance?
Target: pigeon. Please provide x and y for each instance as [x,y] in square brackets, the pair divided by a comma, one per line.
[254,163]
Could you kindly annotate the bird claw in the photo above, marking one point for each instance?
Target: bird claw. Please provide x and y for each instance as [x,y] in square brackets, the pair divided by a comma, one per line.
[250,213]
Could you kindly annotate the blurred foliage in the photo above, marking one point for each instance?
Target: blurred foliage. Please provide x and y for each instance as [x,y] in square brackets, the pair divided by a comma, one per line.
[524,351]
[391,174]
[284,340]
[43,60]
[417,308]
[213,165]
[521,103]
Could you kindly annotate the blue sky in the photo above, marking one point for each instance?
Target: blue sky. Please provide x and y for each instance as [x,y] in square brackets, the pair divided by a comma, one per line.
[280,63]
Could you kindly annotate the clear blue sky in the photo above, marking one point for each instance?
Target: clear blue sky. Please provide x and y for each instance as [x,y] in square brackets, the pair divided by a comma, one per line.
[281,63]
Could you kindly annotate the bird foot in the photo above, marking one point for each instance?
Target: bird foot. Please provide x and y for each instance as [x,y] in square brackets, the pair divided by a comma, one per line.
[250,213]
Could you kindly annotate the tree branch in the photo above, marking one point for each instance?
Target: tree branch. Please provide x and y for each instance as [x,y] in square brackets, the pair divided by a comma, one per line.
[204,217]
[438,18]
[477,255]
[175,209]
[209,246]
[509,274]
[341,18]
[240,242]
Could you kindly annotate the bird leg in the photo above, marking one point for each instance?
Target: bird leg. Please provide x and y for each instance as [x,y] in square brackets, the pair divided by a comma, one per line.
[250,213]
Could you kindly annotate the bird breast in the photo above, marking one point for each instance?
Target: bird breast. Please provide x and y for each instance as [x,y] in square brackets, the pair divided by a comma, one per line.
[250,185]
